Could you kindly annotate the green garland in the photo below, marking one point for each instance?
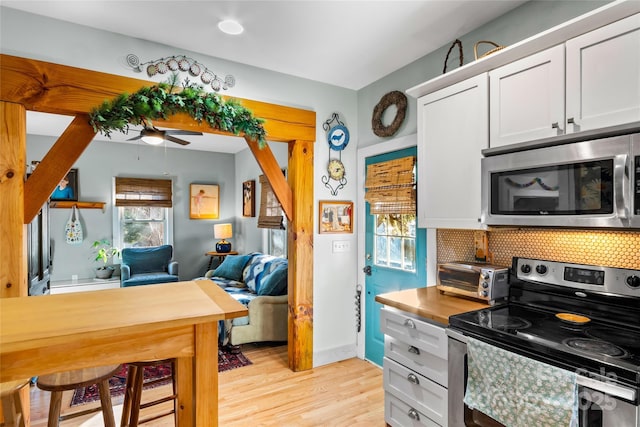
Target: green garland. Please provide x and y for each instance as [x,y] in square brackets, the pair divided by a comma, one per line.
[161,101]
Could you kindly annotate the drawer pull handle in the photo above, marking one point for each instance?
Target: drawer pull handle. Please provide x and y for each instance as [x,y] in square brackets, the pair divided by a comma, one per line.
[409,324]
[413,414]
[413,350]
[413,379]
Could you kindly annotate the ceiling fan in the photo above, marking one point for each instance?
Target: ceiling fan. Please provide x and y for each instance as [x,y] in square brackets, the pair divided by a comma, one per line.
[153,136]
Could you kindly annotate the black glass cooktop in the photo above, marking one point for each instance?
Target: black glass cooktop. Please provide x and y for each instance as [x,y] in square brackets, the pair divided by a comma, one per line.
[595,345]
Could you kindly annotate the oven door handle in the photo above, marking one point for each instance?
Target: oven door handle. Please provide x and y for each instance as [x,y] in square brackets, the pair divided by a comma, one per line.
[607,388]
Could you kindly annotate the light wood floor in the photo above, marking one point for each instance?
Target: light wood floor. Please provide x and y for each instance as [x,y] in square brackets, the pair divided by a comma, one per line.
[267,393]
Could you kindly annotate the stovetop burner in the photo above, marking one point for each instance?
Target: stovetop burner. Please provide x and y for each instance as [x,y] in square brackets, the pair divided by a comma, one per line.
[504,322]
[589,345]
[621,337]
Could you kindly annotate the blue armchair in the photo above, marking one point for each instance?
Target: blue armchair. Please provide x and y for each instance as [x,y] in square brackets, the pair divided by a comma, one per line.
[145,266]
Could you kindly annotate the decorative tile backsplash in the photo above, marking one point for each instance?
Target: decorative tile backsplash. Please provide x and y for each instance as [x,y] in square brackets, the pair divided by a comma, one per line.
[599,247]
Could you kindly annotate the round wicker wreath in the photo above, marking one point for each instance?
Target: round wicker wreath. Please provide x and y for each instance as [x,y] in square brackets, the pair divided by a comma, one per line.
[396,98]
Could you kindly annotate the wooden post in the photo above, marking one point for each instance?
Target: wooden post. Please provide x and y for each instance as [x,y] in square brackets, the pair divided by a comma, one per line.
[13,247]
[13,250]
[301,256]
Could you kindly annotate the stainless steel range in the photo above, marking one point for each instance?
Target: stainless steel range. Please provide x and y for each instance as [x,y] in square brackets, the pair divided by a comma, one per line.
[581,318]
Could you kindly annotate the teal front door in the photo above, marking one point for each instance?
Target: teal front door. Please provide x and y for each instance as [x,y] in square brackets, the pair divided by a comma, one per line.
[395,251]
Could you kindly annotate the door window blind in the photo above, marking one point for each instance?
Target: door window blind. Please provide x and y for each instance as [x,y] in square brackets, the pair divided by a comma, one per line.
[391,186]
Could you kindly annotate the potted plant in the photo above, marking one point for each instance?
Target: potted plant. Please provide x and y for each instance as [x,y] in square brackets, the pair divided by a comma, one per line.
[104,251]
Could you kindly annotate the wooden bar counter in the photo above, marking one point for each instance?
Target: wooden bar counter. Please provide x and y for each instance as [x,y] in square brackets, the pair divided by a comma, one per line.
[429,303]
[54,333]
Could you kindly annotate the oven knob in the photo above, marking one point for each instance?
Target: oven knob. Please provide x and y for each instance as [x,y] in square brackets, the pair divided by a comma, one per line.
[485,285]
[541,269]
[633,281]
[485,293]
[525,268]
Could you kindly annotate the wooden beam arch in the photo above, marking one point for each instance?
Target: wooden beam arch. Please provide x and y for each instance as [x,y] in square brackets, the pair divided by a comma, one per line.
[59,89]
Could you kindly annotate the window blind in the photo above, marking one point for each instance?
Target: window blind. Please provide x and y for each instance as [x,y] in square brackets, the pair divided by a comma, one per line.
[143,192]
[270,210]
[391,186]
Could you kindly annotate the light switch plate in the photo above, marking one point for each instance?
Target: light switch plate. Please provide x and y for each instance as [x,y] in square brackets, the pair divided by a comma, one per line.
[341,246]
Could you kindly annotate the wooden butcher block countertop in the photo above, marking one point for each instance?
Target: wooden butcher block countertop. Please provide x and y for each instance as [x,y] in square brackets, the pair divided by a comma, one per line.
[429,303]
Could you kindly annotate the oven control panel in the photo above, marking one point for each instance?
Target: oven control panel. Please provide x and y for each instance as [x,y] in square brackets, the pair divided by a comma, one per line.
[588,277]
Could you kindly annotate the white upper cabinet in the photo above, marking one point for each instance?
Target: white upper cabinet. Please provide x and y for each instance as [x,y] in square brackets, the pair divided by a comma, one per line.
[527,98]
[452,131]
[603,76]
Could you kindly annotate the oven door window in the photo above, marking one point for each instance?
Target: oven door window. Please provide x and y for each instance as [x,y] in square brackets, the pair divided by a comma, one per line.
[584,188]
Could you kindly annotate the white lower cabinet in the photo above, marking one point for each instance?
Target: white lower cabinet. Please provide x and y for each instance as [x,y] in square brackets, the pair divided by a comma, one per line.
[399,413]
[415,370]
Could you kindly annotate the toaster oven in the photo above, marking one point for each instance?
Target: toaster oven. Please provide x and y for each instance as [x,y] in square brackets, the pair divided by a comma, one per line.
[482,281]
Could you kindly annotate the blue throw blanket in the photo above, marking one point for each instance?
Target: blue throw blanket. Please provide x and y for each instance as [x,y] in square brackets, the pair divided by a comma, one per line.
[517,391]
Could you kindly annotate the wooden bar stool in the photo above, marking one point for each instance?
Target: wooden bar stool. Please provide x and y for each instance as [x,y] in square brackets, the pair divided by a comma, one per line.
[12,409]
[133,393]
[70,380]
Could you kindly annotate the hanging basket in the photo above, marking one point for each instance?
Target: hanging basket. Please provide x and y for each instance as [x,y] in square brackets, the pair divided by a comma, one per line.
[496,48]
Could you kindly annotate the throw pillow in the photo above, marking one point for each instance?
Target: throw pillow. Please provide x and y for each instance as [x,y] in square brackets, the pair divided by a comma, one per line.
[232,266]
[275,283]
[258,268]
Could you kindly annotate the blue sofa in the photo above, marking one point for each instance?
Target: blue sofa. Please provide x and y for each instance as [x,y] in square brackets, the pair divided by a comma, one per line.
[146,266]
[259,281]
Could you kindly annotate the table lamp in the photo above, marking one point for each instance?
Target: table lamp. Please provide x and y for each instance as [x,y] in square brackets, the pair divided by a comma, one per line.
[222,231]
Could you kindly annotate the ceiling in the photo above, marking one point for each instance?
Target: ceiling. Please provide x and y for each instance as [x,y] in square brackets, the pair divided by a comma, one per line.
[344,43]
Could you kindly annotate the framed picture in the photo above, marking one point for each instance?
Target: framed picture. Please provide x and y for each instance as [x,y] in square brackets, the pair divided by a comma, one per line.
[204,201]
[67,188]
[249,198]
[336,217]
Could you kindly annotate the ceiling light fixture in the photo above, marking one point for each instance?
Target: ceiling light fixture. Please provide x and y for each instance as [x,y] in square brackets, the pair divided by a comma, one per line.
[229,26]
[152,137]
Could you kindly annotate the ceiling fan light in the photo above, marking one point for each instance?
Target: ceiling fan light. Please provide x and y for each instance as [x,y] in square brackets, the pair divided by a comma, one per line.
[152,140]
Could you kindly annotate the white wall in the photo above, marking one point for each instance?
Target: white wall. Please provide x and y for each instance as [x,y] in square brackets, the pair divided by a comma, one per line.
[32,36]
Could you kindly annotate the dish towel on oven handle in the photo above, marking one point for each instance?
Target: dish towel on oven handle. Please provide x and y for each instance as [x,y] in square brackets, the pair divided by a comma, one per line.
[517,391]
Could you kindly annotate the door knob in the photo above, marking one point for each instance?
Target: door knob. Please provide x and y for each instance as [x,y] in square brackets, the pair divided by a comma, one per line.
[367,270]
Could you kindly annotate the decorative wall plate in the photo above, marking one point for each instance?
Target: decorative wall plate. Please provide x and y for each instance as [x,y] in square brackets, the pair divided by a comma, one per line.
[338,137]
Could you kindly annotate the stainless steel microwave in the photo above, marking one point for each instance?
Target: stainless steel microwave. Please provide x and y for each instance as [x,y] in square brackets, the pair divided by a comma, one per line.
[592,183]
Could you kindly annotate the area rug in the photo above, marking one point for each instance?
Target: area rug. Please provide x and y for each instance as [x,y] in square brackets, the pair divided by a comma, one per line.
[228,358]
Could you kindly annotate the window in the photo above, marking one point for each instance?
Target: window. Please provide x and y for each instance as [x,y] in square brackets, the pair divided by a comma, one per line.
[391,195]
[271,215]
[144,214]
[277,242]
[395,241]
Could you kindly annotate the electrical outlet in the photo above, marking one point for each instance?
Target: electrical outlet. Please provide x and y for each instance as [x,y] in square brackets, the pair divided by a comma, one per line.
[74,278]
[341,246]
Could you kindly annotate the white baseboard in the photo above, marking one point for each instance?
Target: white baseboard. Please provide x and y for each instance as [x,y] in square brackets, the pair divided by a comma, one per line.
[333,355]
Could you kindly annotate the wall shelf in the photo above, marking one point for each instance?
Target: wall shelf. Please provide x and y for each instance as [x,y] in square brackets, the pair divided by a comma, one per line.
[80,205]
